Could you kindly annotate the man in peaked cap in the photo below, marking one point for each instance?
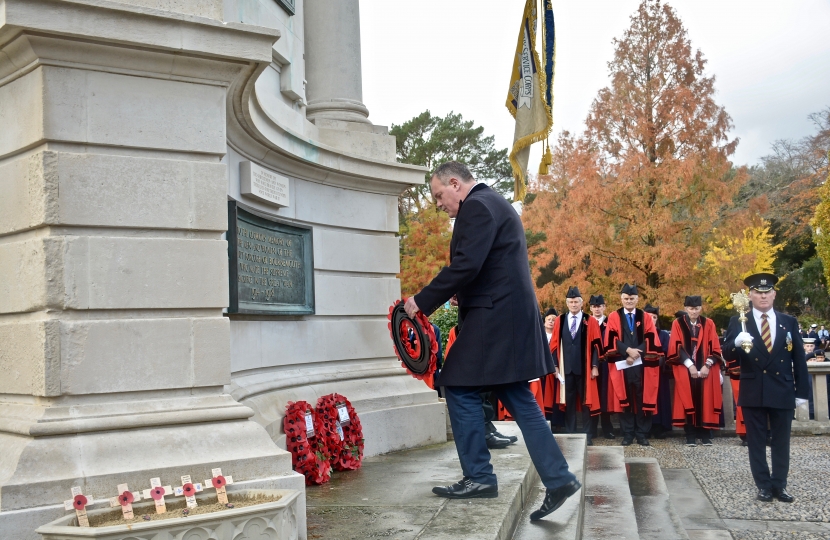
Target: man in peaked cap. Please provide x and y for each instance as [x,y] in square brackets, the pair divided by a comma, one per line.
[774,380]
[661,419]
[633,351]
[695,356]
[576,346]
[597,305]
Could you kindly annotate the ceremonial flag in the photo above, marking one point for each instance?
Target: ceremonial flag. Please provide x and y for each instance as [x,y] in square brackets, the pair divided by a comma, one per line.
[529,98]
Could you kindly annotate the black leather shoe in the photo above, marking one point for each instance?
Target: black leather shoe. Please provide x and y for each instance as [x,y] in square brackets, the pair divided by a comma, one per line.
[782,495]
[467,489]
[494,441]
[610,435]
[643,442]
[511,438]
[627,442]
[691,442]
[764,495]
[554,498]
[707,442]
[589,442]
[744,443]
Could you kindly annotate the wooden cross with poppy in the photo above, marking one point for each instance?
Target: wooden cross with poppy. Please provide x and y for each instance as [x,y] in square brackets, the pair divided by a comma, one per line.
[219,482]
[125,500]
[79,502]
[189,490]
[157,492]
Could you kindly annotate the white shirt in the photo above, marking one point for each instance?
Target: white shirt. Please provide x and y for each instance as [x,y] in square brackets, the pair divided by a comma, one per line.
[571,317]
[600,319]
[549,335]
[770,319]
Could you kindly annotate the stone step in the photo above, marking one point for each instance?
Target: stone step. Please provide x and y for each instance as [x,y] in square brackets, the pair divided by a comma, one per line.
[609,508]
[566,522]
[390,496]
[656,516]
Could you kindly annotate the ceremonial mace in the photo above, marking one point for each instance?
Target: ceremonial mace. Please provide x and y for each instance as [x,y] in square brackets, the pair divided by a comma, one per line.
[741,302]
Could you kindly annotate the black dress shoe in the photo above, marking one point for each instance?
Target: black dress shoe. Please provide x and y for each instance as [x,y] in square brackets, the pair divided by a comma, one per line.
[643,442]
[782,495]
[627,442]
[511,438]
[554,498]
[744,443]
[707,442]
[691,442]
[467,489]
[610,435]
[494,441]
[764,495]
[589,442]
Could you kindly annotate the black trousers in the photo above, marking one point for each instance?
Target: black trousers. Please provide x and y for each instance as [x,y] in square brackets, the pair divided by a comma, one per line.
[634,423]
[780,423]
[693,432]
[603,418]
[574,390]
[489,412]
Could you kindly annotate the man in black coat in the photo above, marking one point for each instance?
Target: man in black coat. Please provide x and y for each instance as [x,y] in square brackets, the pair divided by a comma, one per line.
[502,344]
[774,380]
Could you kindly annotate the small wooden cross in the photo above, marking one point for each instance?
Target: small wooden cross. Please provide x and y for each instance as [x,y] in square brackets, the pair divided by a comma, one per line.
[219,482]
[157,492]
[79,502]
[189,490]
[125,500]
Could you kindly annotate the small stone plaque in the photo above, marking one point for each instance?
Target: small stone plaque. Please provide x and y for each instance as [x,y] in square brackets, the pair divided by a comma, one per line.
[263,184]
[271,265]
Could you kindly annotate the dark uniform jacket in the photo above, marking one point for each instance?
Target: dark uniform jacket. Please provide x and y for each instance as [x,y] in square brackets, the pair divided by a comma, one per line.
[503,337]
[769,379]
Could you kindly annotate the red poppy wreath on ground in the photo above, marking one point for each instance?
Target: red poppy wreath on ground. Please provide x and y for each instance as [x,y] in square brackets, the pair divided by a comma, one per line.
[308,456]
[414,343]
[347,451]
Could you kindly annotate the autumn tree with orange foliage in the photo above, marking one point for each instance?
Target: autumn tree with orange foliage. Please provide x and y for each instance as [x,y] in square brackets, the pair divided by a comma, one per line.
[635,198]
[425,249]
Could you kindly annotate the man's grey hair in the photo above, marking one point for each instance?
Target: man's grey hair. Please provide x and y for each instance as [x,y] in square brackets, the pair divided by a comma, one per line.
[450,169]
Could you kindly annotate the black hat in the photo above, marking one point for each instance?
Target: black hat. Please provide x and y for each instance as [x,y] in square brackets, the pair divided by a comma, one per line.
[651,309]
[680,314]
[573,292]
[551,311]
[693,301]
[762,282]
[629,289]
[597,300]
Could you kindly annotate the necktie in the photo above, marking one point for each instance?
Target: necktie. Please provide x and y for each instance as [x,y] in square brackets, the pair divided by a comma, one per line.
[630,322]
[573,326]
[765,333]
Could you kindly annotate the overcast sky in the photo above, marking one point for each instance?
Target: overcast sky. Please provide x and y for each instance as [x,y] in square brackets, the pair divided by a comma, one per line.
[771,60]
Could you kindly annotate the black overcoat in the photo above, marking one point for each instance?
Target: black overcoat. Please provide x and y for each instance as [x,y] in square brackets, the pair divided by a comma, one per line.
[502,337]
[769,379]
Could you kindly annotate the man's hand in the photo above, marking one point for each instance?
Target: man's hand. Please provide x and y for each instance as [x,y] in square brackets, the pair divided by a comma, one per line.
[743,337]
[594,372]
[454,300]
[693,372]
[799,402]
[704,372]
[411,307]
[633,353]
[630,361]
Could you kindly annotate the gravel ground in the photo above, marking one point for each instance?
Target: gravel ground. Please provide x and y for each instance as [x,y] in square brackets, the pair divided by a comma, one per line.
[723,472]
[777,535]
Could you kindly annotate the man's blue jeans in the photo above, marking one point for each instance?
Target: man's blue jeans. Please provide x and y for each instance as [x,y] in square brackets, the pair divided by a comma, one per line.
[467,417]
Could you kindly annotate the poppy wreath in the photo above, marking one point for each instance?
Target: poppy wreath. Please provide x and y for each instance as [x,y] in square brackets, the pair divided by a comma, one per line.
[409,336]
[309,457]
[346,454]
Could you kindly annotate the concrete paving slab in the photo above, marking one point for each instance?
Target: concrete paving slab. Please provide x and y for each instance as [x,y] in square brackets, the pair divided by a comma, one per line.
[656,516]
[778,526]
[566,522]
[390,496]
[609,509]
[688,498]
[709,534]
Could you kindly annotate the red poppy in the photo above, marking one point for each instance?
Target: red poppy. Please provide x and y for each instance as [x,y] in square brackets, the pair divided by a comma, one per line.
[126,498]
[219,481]
[79,502]
[188,489]
[157,493]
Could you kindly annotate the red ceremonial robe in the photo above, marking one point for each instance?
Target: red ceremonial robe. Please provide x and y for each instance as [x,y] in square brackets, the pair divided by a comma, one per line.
[702,405]
[645,333]
[592,344]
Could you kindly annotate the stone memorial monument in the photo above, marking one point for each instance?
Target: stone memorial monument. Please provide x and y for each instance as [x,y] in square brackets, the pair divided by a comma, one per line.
[197,225]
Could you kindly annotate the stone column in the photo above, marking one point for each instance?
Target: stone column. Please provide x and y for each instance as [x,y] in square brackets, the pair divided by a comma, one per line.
[114,352]
[332,61]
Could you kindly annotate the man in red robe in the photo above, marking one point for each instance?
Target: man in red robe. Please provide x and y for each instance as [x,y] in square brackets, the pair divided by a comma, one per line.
[633,352]
[695,356]
[576,346]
